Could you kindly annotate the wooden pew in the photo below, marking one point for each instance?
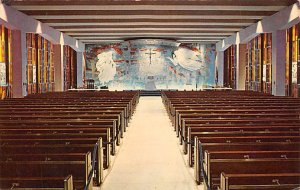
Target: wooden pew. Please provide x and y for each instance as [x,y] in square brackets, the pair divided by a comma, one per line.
[180,124]
[60,133]
[238,129]
[58,128]
[213,158]
[241,146]
[79,169]
[241,125]
[249,166]
[285,181]
[188,144]
[243,139]
[246,119]
[114,117]
[72,124]
[37,183]
[63,148]
[69,111]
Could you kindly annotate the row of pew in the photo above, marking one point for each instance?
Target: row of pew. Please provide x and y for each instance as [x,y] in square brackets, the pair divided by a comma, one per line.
[61,140]
[238,139]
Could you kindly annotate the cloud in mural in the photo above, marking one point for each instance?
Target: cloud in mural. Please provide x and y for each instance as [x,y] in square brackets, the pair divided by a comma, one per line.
[187,59]
[106,67]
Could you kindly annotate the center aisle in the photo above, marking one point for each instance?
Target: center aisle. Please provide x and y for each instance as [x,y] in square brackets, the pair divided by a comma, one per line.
[150,156]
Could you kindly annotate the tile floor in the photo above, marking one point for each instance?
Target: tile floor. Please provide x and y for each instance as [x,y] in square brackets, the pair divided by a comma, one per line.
[150,156]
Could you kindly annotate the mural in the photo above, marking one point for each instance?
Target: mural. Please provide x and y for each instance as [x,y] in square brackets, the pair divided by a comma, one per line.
[133,65]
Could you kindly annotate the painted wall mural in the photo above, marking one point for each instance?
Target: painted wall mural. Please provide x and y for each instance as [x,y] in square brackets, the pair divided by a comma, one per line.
[138,64]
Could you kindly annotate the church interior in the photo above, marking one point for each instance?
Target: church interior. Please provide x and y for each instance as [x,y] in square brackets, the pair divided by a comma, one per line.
[150,94]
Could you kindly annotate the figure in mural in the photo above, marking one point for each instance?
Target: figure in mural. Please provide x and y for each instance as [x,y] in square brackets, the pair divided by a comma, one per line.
[187,59]
[106,67]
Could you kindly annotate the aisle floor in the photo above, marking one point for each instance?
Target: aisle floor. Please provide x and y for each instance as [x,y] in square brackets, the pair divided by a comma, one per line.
[150,156]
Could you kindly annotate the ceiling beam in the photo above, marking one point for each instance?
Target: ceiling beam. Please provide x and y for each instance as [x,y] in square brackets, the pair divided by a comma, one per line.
[114,27]
[187,23]
[145,12]
[149,36]
[128,32]
[169,17]
[161,2]
[147,7]
[129,29]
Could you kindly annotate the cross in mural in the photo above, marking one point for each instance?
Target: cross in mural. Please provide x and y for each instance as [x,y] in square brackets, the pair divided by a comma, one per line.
[150,54]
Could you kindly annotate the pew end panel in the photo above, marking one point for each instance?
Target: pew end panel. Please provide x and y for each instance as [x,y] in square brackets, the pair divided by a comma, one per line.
[68,183]
[88,170]
[188,143]
[100,166]
[197,172]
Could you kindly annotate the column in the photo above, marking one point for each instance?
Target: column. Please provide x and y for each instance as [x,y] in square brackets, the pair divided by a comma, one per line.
[241,64]
[278,62]
[220,67]
[17,82]
[62,66]
[80,70]
[24,63]
[58,75]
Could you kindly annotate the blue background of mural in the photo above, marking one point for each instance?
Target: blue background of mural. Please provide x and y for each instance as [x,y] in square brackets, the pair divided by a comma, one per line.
[128,65]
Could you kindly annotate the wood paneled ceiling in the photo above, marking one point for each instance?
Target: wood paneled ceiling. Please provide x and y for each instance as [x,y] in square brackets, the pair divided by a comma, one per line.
[93,21]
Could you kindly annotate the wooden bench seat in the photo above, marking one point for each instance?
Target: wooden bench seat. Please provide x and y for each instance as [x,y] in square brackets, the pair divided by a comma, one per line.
[220,128]
[188,145]
[58,138]
[242,146]
[121,117]
[282,181]
[72,124]
[38,183]
[215,167]
[45,136]
[187,110]
[238,122]
[283,106]
[243,132]
[249,121]
[239,116]
[115,117]
[60,107]
[240,139]
[42,157]
[79,169]
[65,148]
[250,154]
[69,111]
[188,129]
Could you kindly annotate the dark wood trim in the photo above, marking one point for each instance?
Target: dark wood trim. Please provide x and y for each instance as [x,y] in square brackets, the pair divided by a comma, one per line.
[161,2]
[148,20]
[152,31]
[150,12]
[146,26]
